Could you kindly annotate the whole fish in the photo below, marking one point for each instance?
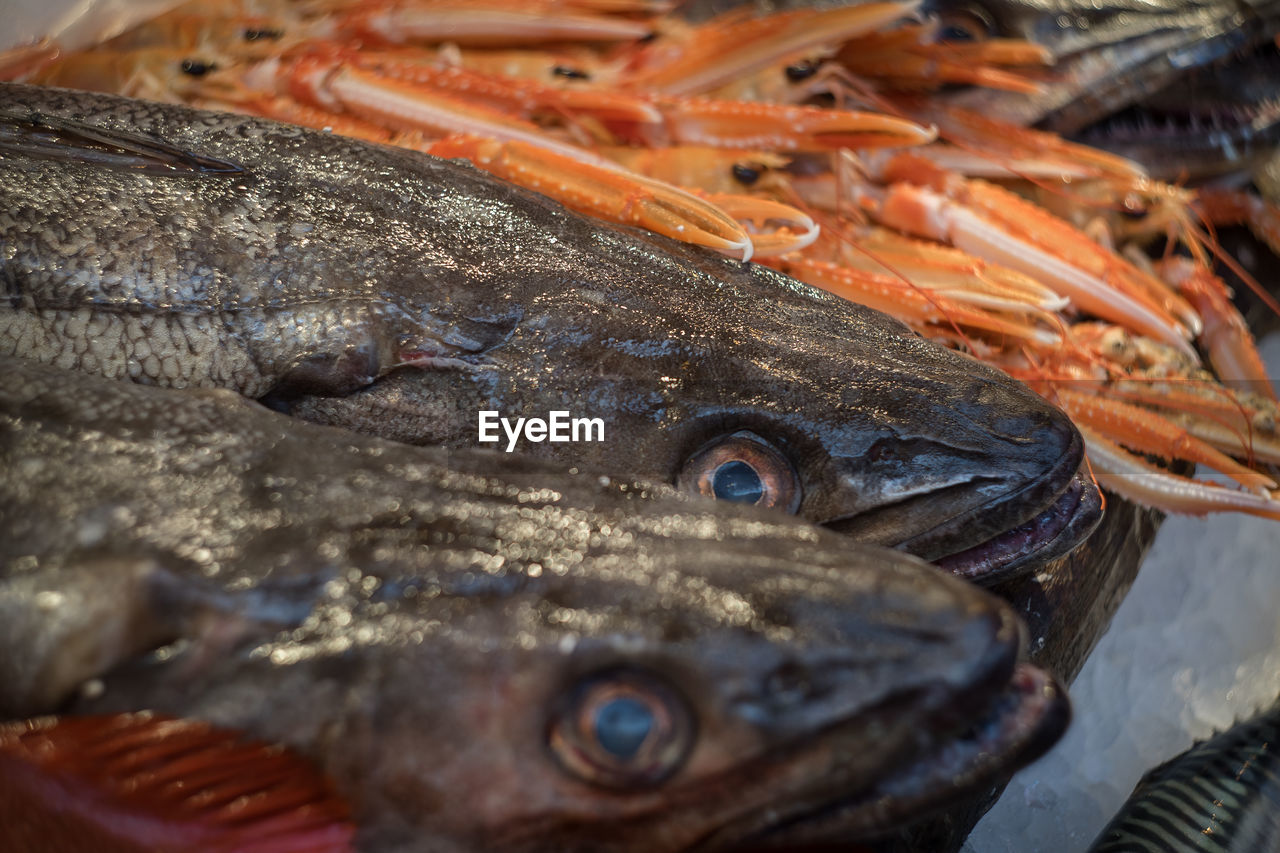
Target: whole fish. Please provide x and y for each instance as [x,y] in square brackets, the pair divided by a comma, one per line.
[401,295]
[1220,795]
[482,651]
[1185,87]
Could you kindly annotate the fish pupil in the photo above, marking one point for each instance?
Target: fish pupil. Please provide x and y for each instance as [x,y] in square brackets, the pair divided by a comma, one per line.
[622,725]
[738,482]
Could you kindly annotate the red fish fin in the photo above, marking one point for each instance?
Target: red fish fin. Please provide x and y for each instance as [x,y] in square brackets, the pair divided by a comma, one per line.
[128,783]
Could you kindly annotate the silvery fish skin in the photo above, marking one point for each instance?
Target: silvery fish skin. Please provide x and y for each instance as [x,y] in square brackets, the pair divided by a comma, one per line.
[1211,59]
[1221,795]
[189,248]
[433,627]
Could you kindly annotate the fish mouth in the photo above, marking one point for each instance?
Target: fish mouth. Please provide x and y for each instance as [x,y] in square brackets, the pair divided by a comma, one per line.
[1018,725]
[1053,533]
[1033,523]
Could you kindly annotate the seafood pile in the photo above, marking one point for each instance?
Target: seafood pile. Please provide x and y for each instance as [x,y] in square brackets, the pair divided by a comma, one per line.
[811,141]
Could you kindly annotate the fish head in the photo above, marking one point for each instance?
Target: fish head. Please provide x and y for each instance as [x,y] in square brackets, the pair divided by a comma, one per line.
[1110,54]
[889,438]
[669,692]
[735,381]
[1216,120]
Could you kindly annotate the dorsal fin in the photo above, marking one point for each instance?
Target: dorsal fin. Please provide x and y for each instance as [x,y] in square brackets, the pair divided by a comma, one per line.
[56,138]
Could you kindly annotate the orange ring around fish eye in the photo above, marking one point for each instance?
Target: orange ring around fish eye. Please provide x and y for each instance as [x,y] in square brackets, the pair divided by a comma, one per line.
[623,729]
[742,467]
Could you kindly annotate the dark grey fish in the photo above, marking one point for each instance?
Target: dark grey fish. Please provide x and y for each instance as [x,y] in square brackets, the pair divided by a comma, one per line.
[1186,87]
[469,642]
[401,295]
[1067,607]
[1221,121]
[1222,795]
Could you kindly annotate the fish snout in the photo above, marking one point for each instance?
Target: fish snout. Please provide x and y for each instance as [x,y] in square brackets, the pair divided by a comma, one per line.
[991,486]
[910,638]
[908,691]
[1031,456]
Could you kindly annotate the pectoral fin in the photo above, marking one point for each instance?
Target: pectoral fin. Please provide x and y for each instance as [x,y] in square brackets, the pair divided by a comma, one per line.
[142,782]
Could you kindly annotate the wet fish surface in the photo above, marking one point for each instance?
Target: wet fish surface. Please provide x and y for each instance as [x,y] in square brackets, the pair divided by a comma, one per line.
[1223,794]
[400,295]
[447,633]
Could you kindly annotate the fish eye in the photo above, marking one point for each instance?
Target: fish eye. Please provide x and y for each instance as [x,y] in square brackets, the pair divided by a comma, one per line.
[623,729]
[965,25]
[743,468]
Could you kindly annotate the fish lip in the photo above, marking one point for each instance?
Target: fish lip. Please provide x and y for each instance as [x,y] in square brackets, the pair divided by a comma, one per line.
[1019,725]
[1014,509]
[1055,532]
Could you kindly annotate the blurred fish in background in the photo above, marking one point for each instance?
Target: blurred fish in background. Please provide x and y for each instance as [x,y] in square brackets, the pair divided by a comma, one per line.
[1222,795]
